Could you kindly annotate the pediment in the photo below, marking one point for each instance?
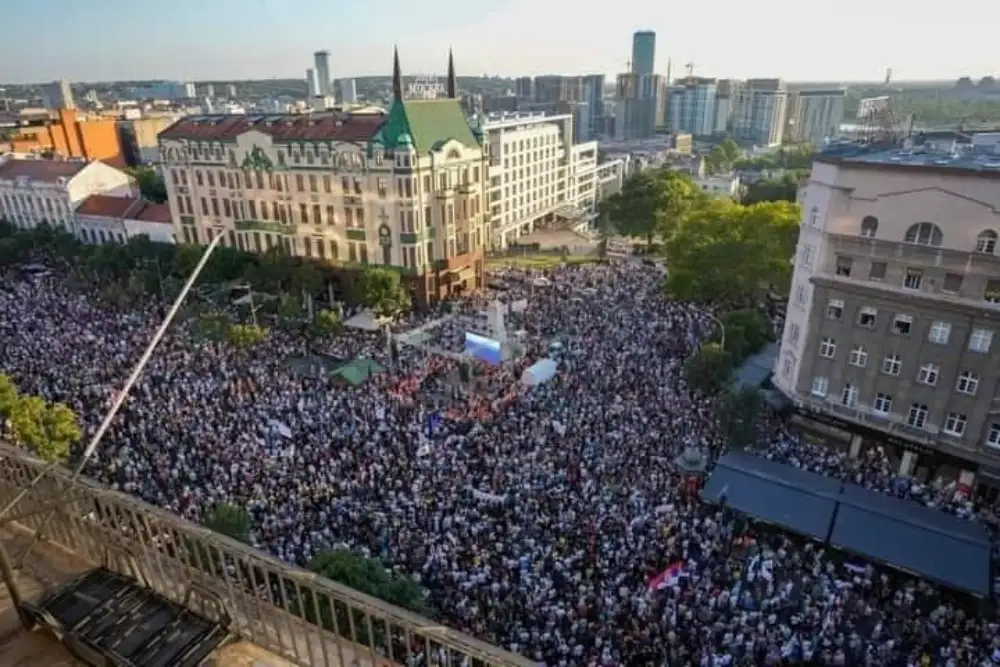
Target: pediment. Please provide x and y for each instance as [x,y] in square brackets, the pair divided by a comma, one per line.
[939,196]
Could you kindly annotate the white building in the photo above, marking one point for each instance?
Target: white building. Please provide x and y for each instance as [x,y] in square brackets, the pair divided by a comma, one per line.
[106,219]
[538,176]
[58,95]
[348,91]
[723,185]
[311,82]
[424,88]
[35,191]
[692,106]
[815,115]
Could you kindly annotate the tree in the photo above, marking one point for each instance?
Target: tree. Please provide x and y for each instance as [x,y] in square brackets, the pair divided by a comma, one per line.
[326,323]
[381,290]
[739,409]
[246,335]
[652,204]
[46,429]
[229,520]
[151,184]
[726,252]
[723,156]
[368,576]
[708,369]
[747,331]
[785,188]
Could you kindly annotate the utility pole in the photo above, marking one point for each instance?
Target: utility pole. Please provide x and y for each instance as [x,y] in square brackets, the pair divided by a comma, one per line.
[6,570]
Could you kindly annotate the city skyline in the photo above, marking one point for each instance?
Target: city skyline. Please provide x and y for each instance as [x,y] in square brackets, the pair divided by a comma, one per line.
[223,41]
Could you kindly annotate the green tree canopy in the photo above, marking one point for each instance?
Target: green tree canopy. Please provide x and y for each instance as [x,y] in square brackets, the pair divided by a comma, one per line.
[368,576]
[381,290]
[46,429]
[151,184]
[739,409]
[723,156]
[747,331]
[246,335]
[785,188]
[326,323]
[726,252]
[651,204]
[708,369]
[229,520]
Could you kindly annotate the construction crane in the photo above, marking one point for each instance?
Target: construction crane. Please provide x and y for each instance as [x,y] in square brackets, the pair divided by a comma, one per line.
[689,68]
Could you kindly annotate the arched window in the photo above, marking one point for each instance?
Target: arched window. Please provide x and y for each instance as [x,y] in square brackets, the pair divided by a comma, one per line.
[924,233]
[869,226]
[814,216]
[986,242]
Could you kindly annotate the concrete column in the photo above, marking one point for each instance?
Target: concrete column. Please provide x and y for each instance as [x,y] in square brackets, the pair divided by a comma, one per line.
[856,441]
[907,464]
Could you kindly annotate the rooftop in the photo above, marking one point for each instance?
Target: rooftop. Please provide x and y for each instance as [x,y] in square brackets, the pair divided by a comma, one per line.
[335,126]
[911,159]
[39,169]
[105,206]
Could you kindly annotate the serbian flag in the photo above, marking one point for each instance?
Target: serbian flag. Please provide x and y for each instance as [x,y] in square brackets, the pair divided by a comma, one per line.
[669,577]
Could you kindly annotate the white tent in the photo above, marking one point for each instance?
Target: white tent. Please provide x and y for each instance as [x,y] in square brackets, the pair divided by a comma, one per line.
[365,321]
[538,373]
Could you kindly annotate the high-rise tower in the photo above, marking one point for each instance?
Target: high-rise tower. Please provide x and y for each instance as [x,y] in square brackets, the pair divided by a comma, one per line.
[323,83]
[643,51]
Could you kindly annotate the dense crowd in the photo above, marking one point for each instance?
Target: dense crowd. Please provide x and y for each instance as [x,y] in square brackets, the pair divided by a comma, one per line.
[549,520]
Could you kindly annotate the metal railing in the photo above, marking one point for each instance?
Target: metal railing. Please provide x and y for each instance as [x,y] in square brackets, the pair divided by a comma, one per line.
[291,612]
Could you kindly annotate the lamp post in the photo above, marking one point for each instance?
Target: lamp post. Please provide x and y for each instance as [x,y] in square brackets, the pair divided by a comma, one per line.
[692,463]
[722,330]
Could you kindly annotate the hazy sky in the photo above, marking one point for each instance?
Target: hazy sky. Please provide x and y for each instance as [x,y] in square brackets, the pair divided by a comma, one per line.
[90,40]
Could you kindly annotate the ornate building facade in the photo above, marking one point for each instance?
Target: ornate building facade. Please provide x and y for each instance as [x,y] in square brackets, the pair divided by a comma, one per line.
[403,190]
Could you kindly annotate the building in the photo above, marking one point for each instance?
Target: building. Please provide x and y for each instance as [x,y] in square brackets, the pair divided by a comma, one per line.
[72,135]
[759,112]
[312,83]
[35,190]
[424,88]
[539,178]
[139,137]
[815,115]
[107,219]
[190,91]
[348,91]
[558,88]
[524,88]
[231,91]
[642,102]
[323,82]
[403,189]
[726,90]
[593,97]
[891,331]
[692,106]
[210,91]
[643,52]
[58,95]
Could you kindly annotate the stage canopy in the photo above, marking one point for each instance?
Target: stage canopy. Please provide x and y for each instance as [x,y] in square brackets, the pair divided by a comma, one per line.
[914,538]
[796,500]
[538,373]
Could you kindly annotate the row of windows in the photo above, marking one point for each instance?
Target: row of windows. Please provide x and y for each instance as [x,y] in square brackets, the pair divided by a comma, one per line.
[923,233]
[307,153]
[913,278]
[916,416]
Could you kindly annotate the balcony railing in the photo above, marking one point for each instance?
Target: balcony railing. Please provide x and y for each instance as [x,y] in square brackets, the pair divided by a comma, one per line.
[308,620]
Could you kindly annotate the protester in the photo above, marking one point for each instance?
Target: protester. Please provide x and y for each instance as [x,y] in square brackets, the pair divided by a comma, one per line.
[549,520]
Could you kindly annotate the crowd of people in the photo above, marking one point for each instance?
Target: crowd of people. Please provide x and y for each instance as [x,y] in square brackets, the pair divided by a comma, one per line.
[553,524]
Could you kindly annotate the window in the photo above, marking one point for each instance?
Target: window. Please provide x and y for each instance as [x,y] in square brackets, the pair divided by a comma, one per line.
[814,217]
[858,356]
[918,415]
[952,283]
[867,317]
[844,264]
[992,291]
[827,348]
[869,226]
[924,233]
[954,424]
[986,242]
[786,369]
[793,333]
[968,383]
[939,333]
[834,309]
[819,387]
[993,439]
[902,324]
[800,295]
[912,278]
[876,271]
[807,255]
[928,374]
[980,340]
[882,405]
[892,364]
[849,395]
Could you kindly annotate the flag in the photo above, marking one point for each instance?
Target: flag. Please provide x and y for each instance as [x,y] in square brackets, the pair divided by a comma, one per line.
[669,577]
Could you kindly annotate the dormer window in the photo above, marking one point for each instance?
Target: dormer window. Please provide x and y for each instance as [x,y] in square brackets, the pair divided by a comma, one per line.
[986,242]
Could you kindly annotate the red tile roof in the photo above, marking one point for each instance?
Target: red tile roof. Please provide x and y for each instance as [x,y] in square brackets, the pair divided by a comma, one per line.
[40,170]
[153,213]
[105,206]
[334,126]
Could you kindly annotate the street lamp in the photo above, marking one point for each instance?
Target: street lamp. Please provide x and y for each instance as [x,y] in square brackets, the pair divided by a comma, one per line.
[692,463]
[722,329]
[6,570]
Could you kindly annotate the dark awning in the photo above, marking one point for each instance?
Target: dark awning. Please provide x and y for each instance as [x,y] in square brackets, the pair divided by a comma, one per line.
[917,539]
[799,501]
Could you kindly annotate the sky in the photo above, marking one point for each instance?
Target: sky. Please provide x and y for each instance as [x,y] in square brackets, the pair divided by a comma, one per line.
[847,40]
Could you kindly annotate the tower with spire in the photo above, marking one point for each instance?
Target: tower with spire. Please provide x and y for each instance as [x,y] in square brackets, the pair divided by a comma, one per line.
[397,76]
[452,79]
